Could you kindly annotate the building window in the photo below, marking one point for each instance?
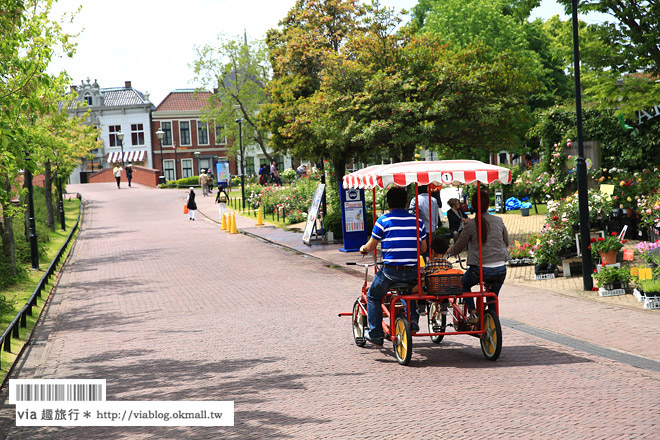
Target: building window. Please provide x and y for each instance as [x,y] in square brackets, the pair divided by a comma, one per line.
[186,168]
[220,137]
[204,164]
[88,99]
[137,134]
[113,130]
[167,129]
[202,133]
[168,168]
[184,132]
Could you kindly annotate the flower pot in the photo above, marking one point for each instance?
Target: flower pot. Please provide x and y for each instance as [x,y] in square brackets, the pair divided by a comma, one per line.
[543,268]
[609,257]
[524,212]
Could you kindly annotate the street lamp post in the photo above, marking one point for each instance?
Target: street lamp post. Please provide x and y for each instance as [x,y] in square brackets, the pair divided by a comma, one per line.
[175,159]
[583,189]
[120,137]
[240,147]
[159,134]
[197,153]
[59,187]
[34,248]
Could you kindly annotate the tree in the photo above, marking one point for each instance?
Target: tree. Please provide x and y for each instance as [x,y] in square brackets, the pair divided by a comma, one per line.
[29,40]
[312,35]
[239,71]
[624,76]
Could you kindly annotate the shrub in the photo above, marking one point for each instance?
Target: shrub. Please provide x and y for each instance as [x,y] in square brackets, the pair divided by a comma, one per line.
[612,274]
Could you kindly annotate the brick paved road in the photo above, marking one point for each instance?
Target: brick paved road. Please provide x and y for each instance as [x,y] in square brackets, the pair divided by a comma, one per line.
[167,309]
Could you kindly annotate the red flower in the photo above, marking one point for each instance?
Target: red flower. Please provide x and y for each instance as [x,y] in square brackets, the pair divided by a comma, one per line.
[555,218]
[593,240]
[601,238]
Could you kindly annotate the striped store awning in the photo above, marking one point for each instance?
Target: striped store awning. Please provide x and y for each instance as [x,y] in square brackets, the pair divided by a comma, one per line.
[129,156]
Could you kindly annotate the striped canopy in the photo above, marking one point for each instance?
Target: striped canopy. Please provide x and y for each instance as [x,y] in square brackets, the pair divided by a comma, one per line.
[440,172]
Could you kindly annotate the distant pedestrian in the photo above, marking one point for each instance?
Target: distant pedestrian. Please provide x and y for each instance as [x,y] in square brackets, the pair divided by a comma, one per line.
[204,182]
[117,172]
[209,172]
[275,174]
[301,171]
[263,179]
[221,200]
[129,174]
[192,206]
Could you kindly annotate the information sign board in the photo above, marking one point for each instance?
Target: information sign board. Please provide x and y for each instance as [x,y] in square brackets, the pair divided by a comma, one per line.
[313,213]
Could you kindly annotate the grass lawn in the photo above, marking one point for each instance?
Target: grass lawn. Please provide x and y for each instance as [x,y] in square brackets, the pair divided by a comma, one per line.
[20,293]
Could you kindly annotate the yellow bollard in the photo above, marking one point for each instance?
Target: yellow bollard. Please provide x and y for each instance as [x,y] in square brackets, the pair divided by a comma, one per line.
[223,225]
[228,225]
[260,218]
[234,230]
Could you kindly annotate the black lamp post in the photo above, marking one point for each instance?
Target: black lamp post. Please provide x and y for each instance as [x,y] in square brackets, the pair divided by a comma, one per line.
[240,147]
[175,159]
[34,248]
[59,187]
[159,134]
[583,190]
[120,138]
[196,153]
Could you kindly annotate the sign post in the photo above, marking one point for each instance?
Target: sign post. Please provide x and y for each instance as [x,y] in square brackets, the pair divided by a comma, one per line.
[353,224]
[312,216]
[499,202]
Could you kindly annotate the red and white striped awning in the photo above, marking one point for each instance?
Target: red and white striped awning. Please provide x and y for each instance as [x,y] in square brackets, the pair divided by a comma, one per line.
[440,172]
[129,156]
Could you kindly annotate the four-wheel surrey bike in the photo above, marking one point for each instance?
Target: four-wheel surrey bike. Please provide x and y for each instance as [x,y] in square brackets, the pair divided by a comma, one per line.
[442,292]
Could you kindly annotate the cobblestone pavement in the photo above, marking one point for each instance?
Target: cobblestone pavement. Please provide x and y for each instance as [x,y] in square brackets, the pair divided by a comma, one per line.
[168,309]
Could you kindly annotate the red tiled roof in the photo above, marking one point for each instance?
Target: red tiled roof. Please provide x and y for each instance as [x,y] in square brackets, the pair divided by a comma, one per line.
[183,101]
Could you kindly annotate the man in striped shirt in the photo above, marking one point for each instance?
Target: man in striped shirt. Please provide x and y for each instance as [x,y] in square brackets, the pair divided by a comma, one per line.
[397,233]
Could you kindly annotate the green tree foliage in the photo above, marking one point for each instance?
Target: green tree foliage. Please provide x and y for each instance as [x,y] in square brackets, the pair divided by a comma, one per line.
[624,73]
[29,41]
[239,70]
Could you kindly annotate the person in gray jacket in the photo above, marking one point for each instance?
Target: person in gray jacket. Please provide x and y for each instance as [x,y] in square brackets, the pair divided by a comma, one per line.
[495,253]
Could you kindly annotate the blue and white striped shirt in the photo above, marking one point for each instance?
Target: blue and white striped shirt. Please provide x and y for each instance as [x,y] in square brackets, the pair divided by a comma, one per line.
[398,237]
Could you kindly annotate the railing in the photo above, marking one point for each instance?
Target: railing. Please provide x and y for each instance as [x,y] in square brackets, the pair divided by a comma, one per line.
[20,320]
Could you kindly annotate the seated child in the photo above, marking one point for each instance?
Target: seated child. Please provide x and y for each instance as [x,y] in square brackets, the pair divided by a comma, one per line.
[437,263]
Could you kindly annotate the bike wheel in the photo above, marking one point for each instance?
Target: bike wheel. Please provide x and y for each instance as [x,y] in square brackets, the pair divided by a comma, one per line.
[402,340]
[359,322]
[491,341]
[437,321]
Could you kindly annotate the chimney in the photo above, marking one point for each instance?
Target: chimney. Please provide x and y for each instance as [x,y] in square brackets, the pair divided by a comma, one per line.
[127,84]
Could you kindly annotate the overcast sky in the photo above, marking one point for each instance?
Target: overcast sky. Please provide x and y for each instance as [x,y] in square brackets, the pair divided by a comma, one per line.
[150,42]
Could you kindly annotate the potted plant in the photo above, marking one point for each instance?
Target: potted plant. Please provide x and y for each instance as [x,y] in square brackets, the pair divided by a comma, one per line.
[520,254]
[650,288]
[606,248]
[612,277]
[650,252]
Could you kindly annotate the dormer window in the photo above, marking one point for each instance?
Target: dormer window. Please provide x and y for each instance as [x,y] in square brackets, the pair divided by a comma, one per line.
[88,99]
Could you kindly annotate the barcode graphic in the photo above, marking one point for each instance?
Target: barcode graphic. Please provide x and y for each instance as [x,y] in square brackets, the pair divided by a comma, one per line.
[46,390]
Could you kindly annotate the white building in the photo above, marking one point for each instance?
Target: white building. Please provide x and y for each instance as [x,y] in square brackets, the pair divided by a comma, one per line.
[115,110]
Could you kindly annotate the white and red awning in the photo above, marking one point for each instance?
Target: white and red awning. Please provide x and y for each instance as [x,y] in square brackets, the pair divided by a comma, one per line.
[129,156]
[441,172]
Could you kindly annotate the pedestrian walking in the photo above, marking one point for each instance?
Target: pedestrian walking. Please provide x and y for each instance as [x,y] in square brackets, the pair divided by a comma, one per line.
[221,200]
[129,174]
[275,175]
[117,172]
[192,206]
[204,183]
[209,173]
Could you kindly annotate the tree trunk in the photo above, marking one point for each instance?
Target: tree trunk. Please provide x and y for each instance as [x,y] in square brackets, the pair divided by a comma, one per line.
[340,170]
[50,214]
[7,230]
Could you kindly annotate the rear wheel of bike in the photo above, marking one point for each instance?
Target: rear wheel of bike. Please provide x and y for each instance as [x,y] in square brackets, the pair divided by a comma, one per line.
[437,321]
[491,341]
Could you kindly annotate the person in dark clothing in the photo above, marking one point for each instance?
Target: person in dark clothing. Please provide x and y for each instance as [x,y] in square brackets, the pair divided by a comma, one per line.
[192,206]
[129,174]
[456,218]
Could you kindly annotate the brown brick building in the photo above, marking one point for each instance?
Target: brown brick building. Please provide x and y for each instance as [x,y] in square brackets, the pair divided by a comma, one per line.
[189,144]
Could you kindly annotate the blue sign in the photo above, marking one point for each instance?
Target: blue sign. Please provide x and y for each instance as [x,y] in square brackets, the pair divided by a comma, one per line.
[222,174]
[353,212]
